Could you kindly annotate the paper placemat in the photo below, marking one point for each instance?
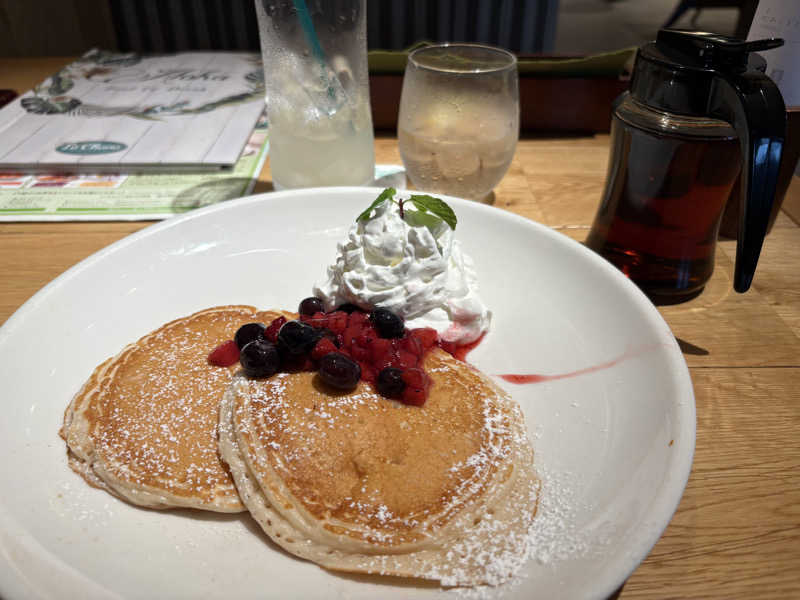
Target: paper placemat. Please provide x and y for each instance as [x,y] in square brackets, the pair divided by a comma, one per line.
[121,197]
[110,197]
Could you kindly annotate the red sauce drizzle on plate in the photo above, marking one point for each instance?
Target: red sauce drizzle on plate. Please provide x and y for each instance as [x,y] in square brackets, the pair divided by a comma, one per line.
[520,378]
[535,378]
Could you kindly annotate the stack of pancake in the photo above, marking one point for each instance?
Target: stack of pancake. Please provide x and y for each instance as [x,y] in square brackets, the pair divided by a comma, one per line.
[349,480]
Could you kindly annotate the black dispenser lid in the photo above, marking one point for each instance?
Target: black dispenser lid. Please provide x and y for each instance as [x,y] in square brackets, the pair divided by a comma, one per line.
[676,72]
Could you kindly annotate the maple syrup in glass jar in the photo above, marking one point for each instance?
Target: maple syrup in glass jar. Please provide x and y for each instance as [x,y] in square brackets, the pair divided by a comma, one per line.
[668,180]
[699,110]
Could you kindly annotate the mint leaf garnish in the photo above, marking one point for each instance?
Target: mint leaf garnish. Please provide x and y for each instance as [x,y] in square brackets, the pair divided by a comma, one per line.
[386,194]
[435,206]
[425,205]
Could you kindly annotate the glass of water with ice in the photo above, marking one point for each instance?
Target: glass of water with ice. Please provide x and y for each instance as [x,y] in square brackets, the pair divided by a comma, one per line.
[459,118]
[317,92]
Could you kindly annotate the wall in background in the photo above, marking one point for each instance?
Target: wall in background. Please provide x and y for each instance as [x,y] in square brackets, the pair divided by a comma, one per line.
[566,27]
[69,27]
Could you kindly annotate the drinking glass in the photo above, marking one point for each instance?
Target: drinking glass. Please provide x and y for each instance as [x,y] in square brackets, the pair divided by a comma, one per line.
[317,92]
[459,118]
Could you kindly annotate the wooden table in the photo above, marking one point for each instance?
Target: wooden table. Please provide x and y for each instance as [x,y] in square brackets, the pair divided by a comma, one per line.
[736,533]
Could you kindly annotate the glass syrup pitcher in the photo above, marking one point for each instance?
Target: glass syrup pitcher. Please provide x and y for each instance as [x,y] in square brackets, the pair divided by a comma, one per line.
[699,110]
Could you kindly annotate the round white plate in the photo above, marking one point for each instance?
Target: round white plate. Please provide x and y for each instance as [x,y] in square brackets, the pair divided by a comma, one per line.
[613,445]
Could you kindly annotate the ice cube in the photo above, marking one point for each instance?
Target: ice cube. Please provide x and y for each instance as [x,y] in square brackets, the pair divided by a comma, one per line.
[457,159]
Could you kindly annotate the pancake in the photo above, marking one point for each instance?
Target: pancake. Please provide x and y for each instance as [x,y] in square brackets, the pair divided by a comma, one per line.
[144,425]
[360,483]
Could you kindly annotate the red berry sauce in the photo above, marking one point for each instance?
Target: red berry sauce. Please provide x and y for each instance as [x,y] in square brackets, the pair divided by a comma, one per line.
[358,338]
[355,335]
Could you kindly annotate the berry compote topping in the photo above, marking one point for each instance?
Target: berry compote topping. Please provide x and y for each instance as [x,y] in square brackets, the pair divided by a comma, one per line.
[344,346]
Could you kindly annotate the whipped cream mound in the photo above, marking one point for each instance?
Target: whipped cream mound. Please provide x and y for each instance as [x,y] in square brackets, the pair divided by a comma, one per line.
[414,267]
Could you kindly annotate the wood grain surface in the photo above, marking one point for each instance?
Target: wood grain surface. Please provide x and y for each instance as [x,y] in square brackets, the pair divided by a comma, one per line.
[736,533]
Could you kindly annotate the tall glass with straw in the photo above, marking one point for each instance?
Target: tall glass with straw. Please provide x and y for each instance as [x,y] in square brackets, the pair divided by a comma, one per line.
[317,92]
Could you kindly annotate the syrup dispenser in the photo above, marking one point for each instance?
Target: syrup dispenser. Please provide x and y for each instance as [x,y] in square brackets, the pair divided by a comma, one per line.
[699,110]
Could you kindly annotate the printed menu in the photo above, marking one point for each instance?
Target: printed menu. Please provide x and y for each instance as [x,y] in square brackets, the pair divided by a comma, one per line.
[110,112]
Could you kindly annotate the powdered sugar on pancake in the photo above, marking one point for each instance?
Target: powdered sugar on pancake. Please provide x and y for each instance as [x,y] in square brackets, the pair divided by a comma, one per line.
[144,426]
[475,534]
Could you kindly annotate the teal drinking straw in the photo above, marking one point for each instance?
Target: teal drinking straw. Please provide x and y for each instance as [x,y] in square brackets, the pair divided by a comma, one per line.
[316,48]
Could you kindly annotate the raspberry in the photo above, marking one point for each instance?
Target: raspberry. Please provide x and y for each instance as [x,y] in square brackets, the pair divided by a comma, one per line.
[404,360]
[349,335]
[366,336]
[337,321]
[323,347]
[413,396]
[356,318]
[426,336]
[318,320]
[417,385]
[389,361]
[413,345]
[416,378]
[224,355]
[368,372]
[271,332]
[380,350]
[358,351]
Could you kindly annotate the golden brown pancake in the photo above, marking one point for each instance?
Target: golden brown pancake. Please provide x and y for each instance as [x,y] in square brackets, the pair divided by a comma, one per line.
[144,425]
[356,482]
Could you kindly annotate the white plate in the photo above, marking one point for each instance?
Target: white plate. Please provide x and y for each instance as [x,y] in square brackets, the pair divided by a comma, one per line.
[614,446]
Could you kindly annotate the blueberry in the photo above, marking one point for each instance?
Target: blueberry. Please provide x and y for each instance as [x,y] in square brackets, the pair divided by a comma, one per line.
[390,382]
[339,371]
[348,307]
[259,358]
[248,333]
[388,324]
[296,338]
[311,305]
